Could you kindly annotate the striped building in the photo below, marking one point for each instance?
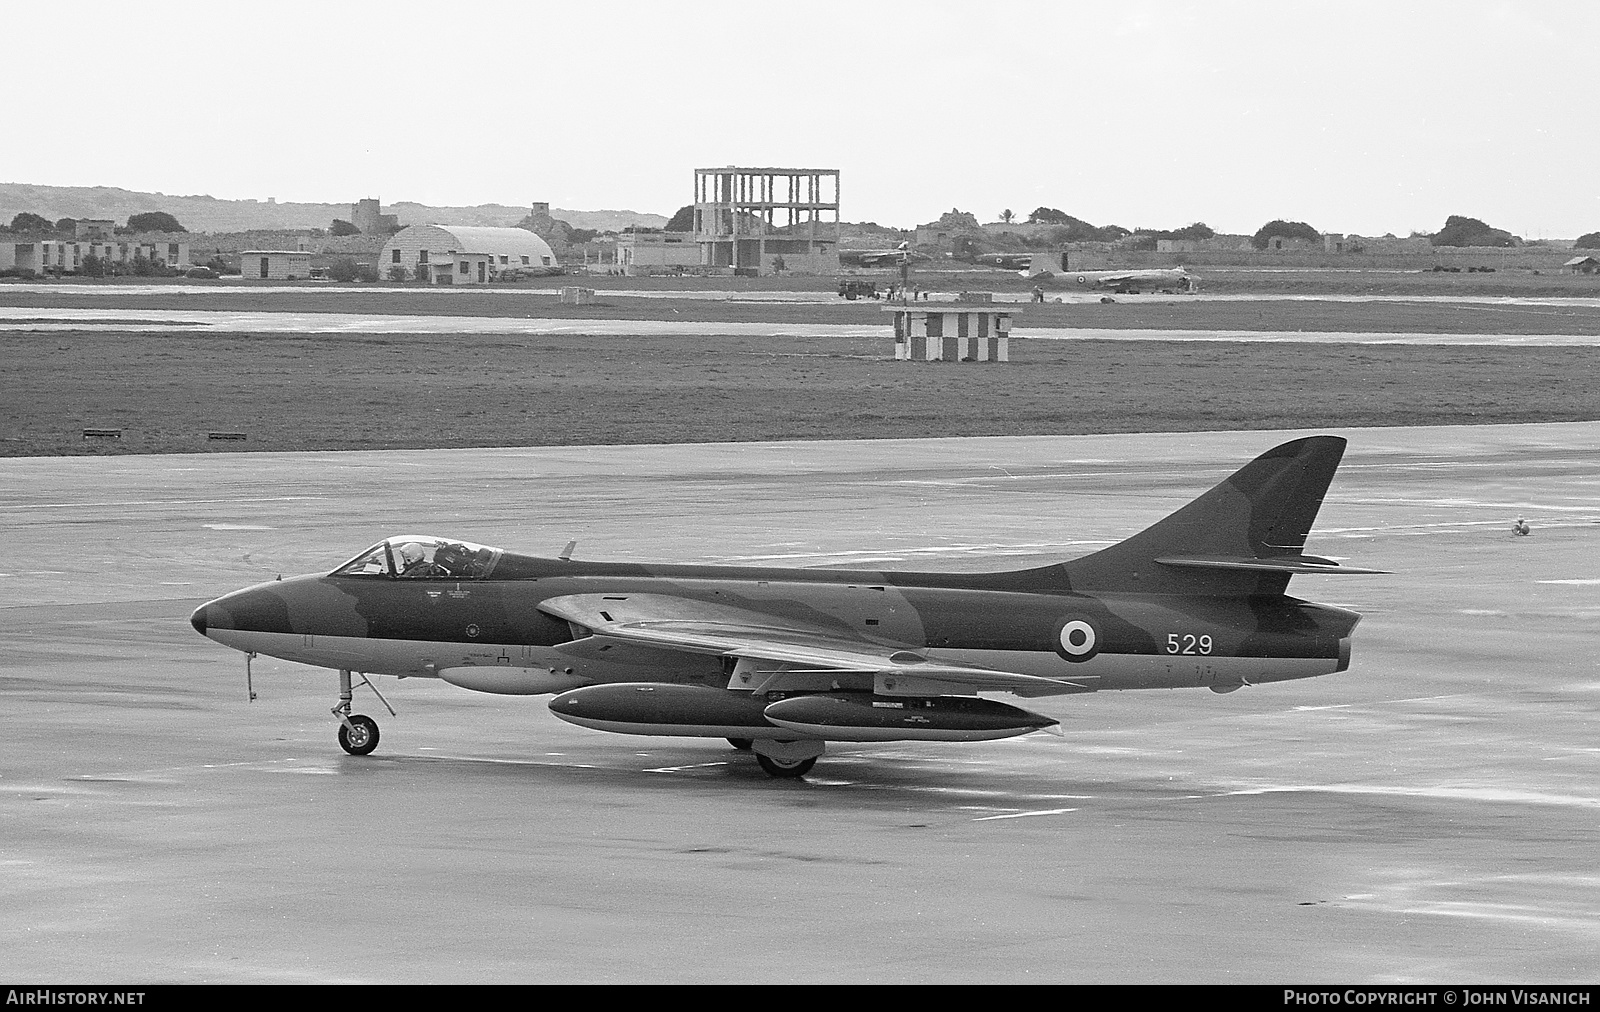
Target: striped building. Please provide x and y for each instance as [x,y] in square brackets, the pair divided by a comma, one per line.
[951,332]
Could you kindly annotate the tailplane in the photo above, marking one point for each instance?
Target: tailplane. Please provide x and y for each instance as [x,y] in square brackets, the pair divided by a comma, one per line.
[1245,536]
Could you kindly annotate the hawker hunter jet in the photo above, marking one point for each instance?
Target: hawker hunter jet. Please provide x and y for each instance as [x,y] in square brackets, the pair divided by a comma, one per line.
[783,661]
[881,257]
[1046,270]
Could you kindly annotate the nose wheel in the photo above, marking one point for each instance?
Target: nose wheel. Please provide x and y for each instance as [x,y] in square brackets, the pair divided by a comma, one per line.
[358,735]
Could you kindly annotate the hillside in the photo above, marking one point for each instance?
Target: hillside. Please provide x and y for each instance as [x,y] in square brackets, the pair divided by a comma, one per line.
[208,214]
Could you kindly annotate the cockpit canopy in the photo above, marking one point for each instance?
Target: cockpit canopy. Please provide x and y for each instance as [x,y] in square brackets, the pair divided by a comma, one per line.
[422,557]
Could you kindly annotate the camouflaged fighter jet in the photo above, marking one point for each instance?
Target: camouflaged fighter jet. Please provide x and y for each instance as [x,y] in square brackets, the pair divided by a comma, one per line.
[1046,270]
[782,661]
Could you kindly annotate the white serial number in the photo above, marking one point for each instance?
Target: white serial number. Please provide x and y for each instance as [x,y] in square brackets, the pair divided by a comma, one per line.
[1188,643]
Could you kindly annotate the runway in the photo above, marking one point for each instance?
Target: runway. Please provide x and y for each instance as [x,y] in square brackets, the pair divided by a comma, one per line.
[1429,815]
[1059,293]
[48,319]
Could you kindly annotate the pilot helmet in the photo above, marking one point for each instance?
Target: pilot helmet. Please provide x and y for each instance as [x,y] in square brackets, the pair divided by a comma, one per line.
[410,553]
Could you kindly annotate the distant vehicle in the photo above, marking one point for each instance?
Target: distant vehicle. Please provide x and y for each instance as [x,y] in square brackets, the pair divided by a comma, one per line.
[853,289]
[204,273]
[1045,268]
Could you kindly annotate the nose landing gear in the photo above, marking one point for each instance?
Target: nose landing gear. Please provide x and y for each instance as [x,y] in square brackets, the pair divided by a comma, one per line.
[358,733]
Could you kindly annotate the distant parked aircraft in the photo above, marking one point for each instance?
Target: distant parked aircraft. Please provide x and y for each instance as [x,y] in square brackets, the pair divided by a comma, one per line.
[1047,268]
[881,257]
[1007,261]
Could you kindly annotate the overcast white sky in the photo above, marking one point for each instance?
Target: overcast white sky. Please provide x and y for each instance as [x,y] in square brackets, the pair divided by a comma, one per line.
[1363,117]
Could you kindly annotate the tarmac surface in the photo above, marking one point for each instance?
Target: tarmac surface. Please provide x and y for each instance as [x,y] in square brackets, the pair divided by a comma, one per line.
[34,318]
[1428,816]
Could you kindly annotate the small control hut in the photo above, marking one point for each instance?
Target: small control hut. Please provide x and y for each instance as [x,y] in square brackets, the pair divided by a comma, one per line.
[972,329]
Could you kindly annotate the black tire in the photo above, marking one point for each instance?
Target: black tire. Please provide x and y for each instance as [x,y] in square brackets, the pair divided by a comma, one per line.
[785,771]
[363,739]
[742,744]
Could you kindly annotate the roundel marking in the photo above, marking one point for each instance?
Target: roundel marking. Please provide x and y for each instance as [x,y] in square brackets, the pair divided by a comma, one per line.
[1079,641]
[1082,280]
[472,630]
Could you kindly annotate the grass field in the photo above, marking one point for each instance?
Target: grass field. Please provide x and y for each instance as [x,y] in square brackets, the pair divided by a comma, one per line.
[348,392]
[292,392]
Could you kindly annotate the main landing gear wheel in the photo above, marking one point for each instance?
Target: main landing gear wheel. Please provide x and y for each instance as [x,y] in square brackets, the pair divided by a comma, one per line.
[742,744]
[786,769]
[359,736]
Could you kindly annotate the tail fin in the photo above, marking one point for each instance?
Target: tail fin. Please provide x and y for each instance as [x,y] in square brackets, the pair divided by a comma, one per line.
[1045,264]
[1245,536]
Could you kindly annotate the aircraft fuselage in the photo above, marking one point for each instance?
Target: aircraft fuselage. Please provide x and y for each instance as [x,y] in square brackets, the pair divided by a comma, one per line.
[782,661]
[421,627]
[1122,282]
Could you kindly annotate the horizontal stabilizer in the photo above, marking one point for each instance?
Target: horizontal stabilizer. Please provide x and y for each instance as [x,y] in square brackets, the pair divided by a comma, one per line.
[1291,564]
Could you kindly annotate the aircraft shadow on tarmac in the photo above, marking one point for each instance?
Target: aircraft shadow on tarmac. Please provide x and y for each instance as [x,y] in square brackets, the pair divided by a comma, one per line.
[854,780]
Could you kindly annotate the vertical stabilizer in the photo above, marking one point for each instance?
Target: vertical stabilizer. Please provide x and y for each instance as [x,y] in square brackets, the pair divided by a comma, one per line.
[1046,264]
[1244,536]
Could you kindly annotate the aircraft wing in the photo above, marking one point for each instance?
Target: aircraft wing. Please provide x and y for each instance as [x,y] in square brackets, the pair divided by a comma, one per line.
[662,621]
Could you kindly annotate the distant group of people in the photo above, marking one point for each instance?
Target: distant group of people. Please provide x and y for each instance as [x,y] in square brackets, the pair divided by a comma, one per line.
[896,291]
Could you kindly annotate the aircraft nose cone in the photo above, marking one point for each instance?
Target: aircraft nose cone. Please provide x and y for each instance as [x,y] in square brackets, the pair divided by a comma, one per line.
[198,620]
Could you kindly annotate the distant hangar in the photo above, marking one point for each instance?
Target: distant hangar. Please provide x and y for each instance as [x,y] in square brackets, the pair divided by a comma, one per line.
[463,254]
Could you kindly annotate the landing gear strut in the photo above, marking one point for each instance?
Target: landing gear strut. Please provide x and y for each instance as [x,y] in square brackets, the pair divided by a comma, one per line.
[358,734]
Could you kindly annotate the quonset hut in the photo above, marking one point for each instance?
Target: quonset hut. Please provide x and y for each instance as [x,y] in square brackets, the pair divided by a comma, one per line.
[464,255]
